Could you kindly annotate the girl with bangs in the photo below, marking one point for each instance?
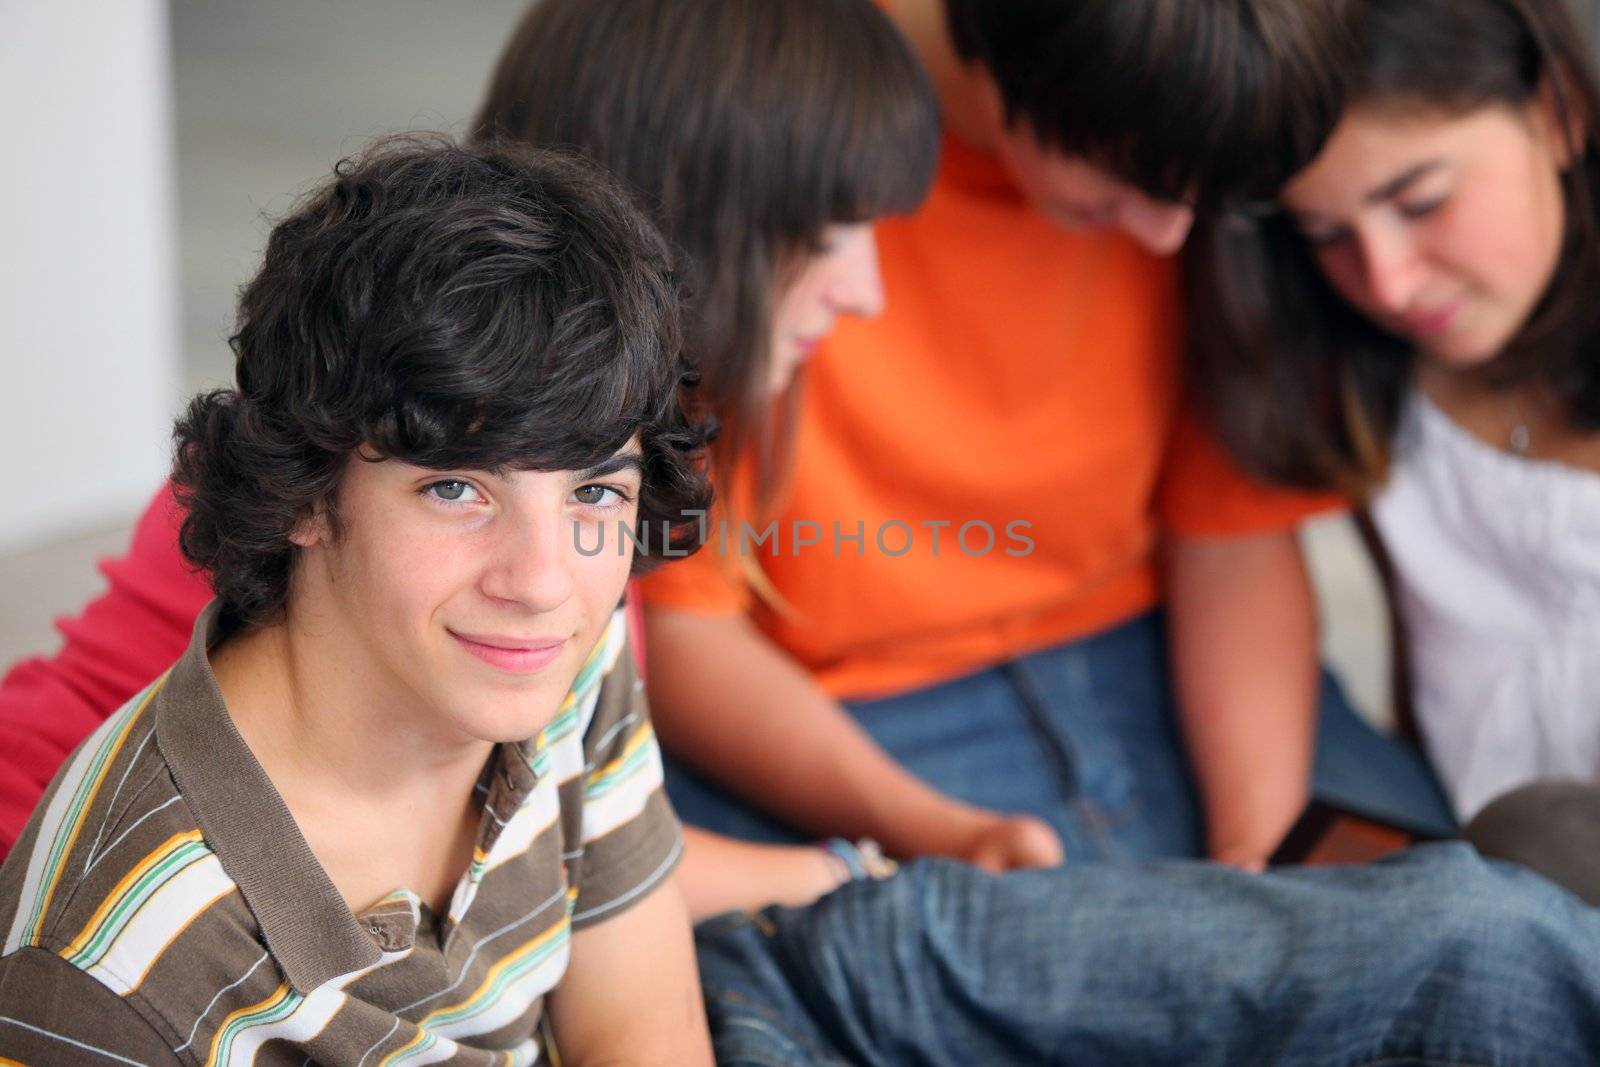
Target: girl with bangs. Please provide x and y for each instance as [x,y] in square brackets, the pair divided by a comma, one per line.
[1415,323]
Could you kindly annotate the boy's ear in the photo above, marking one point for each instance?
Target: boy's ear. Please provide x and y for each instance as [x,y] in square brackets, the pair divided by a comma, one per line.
[312,530]
[1561,114]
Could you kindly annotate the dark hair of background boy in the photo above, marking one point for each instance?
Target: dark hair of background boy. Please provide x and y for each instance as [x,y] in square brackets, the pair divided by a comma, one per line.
[1301,387]
[746,127]
[475,308]
[1165,94]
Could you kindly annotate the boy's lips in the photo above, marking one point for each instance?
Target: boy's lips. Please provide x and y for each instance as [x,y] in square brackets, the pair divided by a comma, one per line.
[515,654]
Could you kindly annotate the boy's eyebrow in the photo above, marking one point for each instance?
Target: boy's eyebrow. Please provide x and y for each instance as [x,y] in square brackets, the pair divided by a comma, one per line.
[622,461]
[1399,182]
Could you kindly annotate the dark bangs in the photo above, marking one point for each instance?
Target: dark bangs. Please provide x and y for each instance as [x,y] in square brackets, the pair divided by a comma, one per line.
[852,121]
[540,349]
[457,309]
[1494,56]
[1190,100]
[772,116]
[487,358]
[487,318]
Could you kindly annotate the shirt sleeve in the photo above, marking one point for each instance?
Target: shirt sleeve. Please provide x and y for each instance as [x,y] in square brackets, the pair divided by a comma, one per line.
[630,837]
[704,583]
[1203,493]
[54,1015]
[113,649]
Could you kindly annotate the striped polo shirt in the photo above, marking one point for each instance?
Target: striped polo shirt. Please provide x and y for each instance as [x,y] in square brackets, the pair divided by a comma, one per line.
[162,906]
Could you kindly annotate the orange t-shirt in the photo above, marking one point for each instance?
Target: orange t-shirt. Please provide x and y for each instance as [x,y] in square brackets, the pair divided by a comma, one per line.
[1024,384]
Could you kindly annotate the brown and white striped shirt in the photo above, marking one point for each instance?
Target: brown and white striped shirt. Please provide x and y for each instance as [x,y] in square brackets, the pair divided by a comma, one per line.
[162,906]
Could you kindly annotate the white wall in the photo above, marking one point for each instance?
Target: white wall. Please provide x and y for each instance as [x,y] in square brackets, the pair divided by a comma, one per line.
[88,306]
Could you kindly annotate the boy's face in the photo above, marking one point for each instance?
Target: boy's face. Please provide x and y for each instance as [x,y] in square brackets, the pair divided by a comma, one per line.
[1076,194]
[461,597]
[1073,192]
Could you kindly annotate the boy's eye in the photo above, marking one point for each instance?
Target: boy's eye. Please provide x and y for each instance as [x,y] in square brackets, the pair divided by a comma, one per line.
[453,491]
[595,495]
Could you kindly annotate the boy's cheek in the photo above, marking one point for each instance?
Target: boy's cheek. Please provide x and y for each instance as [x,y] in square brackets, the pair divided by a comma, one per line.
[602,556]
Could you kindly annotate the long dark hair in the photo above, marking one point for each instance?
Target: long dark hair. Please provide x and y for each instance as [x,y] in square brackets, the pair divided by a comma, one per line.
[1304,389]
[746,127]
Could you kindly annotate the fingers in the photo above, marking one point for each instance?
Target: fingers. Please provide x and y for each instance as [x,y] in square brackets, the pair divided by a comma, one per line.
[1012,842]
[1036,843]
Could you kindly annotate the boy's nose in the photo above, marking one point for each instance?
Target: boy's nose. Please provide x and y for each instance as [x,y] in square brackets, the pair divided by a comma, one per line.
[532,565]
[1161,226]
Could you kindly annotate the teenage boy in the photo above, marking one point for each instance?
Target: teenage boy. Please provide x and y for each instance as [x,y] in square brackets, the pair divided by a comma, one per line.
[1142,675]
[400,800]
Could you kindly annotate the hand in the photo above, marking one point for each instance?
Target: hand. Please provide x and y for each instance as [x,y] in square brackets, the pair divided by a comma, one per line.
[999,842]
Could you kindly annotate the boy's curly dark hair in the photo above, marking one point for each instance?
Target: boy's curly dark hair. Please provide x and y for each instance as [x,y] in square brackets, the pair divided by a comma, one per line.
[482,307]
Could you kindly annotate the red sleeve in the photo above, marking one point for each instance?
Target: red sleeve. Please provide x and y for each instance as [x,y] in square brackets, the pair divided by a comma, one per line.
[133,632]
[1204,494]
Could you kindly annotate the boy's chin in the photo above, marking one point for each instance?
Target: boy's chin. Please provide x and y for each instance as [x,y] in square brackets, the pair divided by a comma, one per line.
[499,716]
[509,729]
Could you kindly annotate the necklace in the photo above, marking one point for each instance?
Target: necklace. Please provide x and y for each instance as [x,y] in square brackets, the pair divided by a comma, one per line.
[1520,440]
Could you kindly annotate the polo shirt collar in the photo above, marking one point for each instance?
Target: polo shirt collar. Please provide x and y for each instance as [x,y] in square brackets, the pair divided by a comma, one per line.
[308,927]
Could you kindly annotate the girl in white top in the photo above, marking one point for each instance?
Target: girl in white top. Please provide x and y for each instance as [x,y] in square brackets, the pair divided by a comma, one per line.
[1415,321]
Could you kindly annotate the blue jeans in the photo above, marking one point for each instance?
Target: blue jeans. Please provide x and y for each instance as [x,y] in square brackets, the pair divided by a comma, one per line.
[1085,736]
[1435,958]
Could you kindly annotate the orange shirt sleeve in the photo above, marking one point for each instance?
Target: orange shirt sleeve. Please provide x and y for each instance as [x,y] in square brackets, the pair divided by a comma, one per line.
[702,583]
[1204,493]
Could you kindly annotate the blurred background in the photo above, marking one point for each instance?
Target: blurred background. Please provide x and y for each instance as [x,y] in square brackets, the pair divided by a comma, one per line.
[157,141]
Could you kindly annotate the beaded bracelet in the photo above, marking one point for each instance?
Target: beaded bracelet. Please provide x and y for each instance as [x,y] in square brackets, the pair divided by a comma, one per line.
[863,859]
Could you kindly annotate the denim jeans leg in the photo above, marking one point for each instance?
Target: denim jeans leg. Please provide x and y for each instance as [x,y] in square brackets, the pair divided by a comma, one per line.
[1436,957]
[757,1014]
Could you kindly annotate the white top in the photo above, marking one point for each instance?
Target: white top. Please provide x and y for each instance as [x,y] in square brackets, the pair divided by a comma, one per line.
[1498,565]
